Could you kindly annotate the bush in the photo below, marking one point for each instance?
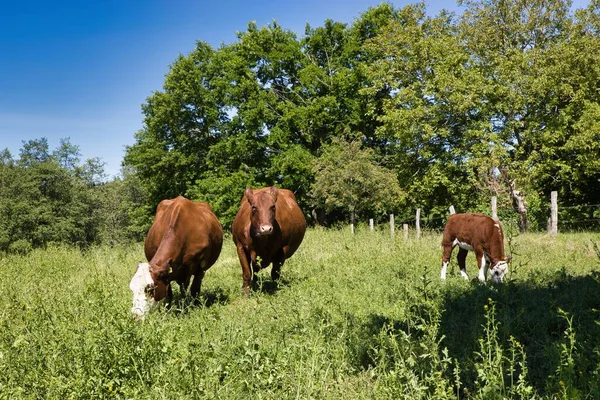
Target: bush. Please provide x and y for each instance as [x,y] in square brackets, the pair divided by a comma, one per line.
[21,246]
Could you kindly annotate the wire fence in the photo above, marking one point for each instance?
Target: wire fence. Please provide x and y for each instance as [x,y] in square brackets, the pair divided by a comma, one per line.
[570,218]
[583,217]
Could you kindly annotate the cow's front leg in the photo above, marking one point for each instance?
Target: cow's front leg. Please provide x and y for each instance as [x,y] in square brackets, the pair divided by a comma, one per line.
[244,257]
[256,264]
[447,253]
[169,299]
[278,261]
[481,264]
[183,285]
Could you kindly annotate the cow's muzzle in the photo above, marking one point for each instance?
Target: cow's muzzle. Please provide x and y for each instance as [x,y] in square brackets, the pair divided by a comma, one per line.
[265,230]
[499,271]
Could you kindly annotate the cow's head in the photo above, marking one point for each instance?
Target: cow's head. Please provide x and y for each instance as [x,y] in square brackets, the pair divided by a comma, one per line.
[142,287]
[148,288]
[499,270]
[262,206]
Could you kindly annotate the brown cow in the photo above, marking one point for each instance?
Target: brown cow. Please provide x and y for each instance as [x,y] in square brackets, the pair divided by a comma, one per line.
[478,233]
[185,239]
[268,225]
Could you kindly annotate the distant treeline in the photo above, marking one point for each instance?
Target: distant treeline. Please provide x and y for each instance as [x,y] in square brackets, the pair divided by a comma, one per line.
[396,111]
[51,197]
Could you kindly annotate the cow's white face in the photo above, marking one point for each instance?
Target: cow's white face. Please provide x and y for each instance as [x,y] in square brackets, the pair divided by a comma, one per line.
[139,285]
[498,271]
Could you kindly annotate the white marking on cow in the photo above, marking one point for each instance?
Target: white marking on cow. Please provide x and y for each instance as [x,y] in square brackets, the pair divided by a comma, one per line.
[462,245]
[142,304]
[499,271]
[444,267]
[499,229]
[483,269]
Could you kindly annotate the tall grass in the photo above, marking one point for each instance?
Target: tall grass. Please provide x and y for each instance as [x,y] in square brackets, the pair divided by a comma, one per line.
[360,316]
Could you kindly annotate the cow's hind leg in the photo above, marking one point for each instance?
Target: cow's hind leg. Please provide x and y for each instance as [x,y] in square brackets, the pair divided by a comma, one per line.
[196,283]
[461,257]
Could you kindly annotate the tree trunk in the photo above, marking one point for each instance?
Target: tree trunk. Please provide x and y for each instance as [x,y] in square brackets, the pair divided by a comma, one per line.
[518,203]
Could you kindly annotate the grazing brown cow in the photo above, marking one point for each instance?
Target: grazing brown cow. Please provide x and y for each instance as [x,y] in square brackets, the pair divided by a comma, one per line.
[268,225]
[478,233]
[185,239]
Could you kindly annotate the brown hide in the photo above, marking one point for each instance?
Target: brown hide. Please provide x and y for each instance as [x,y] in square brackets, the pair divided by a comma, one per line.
[185,239]
[479,231]
[268,225]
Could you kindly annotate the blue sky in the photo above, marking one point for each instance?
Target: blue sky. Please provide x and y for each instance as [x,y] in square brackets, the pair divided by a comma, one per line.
[82,69]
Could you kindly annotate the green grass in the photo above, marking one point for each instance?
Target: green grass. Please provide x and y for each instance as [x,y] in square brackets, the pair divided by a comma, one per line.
[353,317]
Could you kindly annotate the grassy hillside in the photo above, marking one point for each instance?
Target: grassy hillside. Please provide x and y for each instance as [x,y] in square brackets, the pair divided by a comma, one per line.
[353,317]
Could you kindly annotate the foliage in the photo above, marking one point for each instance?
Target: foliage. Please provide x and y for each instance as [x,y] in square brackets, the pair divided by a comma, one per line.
[51,198]
[346,178]
[499,98]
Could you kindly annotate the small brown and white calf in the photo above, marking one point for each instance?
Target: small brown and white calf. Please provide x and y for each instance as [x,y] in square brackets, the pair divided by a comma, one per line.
[478,233]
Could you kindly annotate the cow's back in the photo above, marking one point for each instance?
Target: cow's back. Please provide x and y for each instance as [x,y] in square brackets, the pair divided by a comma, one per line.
[474,228]
[193,225]
[465,227]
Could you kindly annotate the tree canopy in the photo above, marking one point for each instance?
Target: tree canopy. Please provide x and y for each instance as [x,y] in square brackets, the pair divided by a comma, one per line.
[500,100]
[458,107]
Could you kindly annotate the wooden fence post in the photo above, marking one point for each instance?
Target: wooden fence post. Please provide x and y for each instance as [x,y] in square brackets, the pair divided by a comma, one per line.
[392,233]
[553,213]
[494,208]
[452,211]
[371,225]
[418,223]
[405,229]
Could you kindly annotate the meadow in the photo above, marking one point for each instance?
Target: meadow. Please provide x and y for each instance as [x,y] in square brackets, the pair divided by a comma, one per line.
[359,316]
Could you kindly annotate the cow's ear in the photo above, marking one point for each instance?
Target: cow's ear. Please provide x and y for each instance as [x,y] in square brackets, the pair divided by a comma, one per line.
[249,195]
[274,192]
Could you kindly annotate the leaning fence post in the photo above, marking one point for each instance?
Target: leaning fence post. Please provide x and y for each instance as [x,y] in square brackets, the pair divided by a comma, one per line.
[418,222]
[371,226]
[405,229]
[553,213]
[452,211]
[494,208]
[392,233]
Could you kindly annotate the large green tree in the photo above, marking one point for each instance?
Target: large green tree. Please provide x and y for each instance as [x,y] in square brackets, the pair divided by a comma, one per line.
[501,100]
[433,107]
[348,178]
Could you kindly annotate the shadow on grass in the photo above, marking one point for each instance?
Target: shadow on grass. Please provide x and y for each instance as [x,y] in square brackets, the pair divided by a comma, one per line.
[265,285]
[531,313]
[182,303]
[536,313]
